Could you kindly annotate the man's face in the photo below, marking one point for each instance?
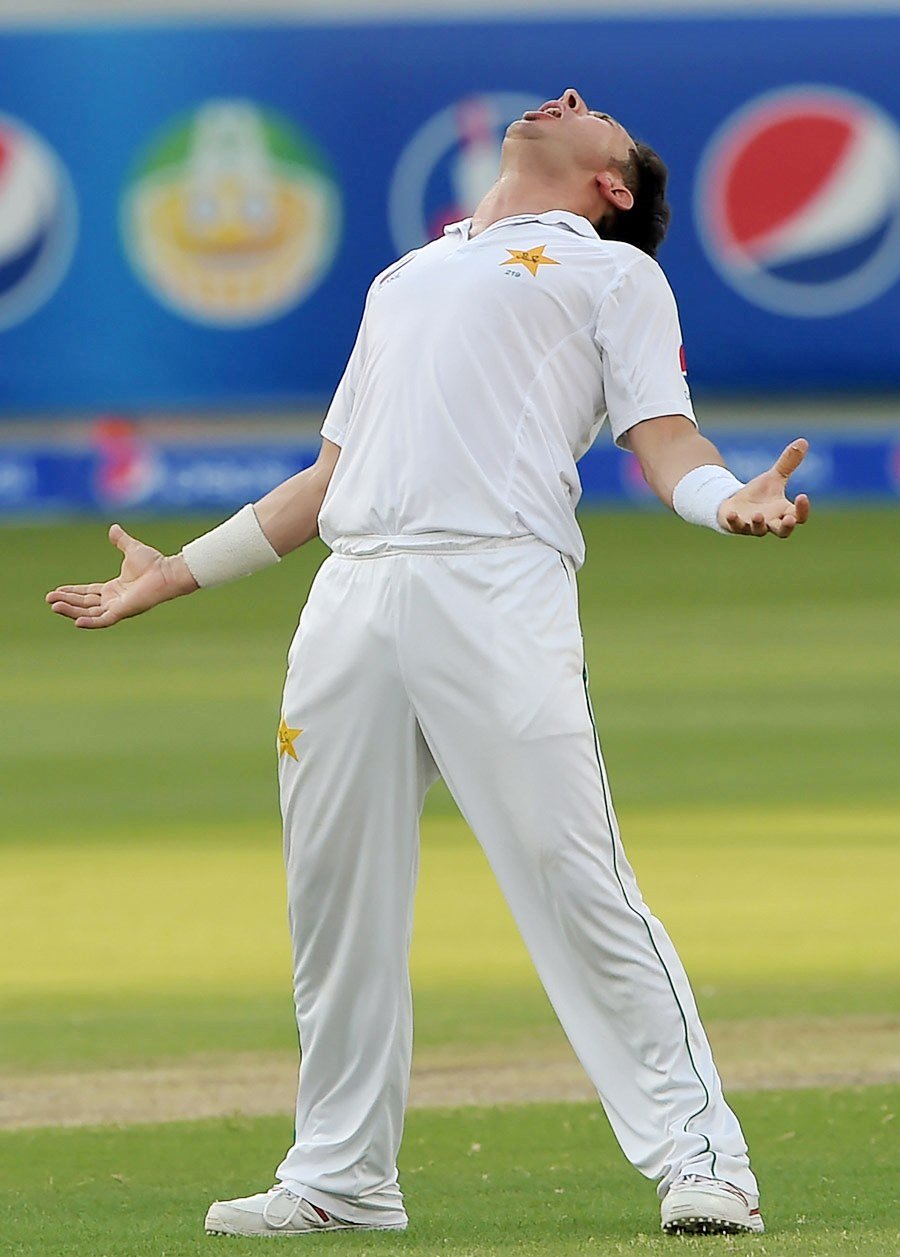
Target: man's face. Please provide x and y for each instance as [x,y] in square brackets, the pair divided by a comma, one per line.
[575,135]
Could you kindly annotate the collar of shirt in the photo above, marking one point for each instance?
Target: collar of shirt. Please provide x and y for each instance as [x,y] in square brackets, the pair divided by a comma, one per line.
[553,218]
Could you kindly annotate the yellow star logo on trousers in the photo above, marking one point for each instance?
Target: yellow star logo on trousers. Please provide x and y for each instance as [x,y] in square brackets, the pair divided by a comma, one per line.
[286,739]
[531,259]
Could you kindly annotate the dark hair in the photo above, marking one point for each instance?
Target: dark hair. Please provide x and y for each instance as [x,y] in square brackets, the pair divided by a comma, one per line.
[645,174]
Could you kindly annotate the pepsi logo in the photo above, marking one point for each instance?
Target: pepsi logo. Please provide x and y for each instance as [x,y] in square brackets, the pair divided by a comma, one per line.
[38,221]
[797,201]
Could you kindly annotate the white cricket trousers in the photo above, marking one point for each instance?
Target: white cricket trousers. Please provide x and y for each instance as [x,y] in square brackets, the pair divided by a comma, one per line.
[468,663]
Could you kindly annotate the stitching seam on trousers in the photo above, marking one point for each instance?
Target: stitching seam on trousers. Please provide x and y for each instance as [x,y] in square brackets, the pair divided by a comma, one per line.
[641,917]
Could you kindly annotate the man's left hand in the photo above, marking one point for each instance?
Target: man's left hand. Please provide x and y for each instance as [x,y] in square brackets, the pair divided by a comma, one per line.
[763,506]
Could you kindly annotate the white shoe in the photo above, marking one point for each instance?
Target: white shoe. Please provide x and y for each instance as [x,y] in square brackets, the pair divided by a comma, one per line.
[277,1212]
[708,1206]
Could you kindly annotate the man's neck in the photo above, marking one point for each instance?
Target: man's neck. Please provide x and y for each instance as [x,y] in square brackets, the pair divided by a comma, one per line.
[512,194]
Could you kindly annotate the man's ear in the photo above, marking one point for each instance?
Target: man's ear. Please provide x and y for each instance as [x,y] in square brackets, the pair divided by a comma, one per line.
[614,191]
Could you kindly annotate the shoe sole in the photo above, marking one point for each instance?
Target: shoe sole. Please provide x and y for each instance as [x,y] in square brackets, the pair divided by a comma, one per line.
[703,1224]
[274,1233]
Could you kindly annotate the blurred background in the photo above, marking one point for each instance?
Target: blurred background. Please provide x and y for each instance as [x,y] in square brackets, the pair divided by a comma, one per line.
[193,200]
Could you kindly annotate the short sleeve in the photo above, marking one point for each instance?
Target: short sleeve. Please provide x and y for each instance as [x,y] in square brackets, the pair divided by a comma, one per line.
[639,338]
[337,418]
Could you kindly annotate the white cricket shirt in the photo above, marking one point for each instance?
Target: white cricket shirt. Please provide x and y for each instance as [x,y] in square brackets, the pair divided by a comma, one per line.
[483,370]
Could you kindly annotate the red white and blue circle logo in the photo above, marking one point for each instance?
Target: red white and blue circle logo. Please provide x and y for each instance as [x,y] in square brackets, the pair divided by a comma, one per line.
[449,164]
[38,221]
[798,201]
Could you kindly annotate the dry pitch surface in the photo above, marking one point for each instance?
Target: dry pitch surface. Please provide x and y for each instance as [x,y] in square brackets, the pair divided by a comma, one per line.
[753,1055]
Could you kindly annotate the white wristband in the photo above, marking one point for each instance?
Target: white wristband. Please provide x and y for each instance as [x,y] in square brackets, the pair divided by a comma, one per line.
[239,547]
[698,495]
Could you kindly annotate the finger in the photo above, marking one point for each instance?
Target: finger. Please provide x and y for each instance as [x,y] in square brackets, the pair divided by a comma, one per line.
[104,619]
[801,508]
[783,527]
[791,457]
[121,539]
[73,589]
[66,609]
[77,599]
[755,526]
[737,524]
[73,611]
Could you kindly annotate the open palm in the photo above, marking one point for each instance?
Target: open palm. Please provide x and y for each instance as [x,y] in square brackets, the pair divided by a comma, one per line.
[762,506]
[146,579]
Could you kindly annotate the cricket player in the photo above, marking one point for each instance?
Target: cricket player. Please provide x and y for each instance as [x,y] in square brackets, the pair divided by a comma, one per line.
[441,637]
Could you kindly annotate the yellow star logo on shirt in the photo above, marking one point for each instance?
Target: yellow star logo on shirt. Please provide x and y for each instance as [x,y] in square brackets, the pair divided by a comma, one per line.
[286,739]
[531,259]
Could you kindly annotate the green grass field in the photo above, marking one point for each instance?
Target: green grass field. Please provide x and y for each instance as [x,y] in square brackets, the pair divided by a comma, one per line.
[748,696]
[539,1180]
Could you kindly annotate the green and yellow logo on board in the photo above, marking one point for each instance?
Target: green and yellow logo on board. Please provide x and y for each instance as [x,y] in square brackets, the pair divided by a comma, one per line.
[232,215]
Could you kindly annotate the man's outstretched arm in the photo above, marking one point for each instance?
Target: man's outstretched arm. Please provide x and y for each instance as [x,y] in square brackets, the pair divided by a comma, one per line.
[285,518]
[687,472]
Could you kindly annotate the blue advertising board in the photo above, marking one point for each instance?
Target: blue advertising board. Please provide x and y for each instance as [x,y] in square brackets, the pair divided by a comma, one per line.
[121,470]
[190,216]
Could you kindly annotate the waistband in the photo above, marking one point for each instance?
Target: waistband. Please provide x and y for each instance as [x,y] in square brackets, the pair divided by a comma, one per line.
[374,547]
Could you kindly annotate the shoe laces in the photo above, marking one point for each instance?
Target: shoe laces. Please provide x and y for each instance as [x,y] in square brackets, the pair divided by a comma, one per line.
[273,1193]
[719,1183]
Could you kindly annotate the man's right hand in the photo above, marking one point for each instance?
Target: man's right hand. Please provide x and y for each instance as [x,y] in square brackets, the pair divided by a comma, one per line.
[146,579]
